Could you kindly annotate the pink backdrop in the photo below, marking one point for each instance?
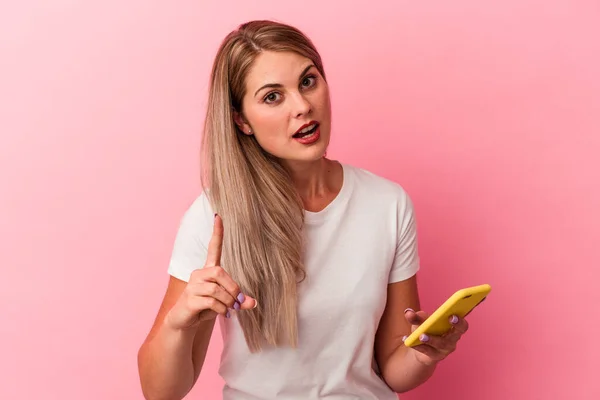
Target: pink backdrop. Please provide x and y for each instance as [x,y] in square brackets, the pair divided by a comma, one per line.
[487,112]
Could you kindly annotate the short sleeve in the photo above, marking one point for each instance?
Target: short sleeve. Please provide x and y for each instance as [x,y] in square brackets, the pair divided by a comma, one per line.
[192,238]
[406,260]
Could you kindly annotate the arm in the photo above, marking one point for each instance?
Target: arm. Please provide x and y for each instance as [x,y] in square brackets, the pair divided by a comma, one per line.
[399,367]
[402,367]
[171,357]
[401,370]
[170,360]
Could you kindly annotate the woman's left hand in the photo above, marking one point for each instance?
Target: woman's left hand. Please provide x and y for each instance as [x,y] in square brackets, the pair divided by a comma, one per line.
[435,348]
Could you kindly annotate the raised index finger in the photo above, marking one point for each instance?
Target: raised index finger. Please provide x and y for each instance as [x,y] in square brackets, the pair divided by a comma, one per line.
[215,245]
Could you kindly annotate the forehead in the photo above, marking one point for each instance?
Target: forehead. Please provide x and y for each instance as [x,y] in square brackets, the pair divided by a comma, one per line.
[276,67]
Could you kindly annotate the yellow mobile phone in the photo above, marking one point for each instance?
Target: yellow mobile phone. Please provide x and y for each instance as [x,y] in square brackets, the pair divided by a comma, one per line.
[460,304]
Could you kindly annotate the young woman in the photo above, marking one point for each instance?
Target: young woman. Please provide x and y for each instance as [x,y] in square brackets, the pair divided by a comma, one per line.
[310,264]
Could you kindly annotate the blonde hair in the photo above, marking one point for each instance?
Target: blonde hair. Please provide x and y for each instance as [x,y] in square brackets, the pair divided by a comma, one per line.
[261,210]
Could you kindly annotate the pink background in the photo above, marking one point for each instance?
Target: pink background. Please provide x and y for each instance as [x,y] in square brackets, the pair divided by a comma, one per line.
[487,112]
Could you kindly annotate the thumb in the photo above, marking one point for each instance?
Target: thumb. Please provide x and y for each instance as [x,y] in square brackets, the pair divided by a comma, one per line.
[415,318]
[247,302]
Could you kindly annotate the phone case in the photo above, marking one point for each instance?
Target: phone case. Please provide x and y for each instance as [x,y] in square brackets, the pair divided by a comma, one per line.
[460,304]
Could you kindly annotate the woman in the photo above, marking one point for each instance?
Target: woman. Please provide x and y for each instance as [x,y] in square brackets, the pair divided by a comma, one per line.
[310,264]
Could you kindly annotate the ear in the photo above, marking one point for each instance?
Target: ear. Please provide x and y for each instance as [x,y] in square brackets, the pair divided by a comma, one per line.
[241,123]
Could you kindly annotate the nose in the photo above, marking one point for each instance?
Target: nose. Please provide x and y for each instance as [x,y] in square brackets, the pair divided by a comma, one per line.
[301,106]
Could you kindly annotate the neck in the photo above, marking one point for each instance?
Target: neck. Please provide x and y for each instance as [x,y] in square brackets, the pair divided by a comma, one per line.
[315,180]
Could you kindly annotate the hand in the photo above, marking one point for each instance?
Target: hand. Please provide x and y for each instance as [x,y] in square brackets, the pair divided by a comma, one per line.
[209,291]
[435,348]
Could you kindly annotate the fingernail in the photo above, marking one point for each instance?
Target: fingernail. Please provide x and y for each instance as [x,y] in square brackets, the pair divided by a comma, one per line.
[228,315]
[408,309]
[215,216]
[453,319]
[424,338]
[255,303]
[241,297]
[236,305]
[404,338]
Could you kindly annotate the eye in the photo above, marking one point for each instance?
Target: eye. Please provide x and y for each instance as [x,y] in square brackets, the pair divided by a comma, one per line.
[272,97]
[309,81]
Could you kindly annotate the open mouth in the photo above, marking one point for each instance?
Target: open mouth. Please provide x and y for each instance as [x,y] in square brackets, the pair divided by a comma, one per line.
[306,131]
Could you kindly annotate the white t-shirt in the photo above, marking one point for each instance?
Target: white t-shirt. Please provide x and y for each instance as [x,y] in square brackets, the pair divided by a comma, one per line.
[362,241]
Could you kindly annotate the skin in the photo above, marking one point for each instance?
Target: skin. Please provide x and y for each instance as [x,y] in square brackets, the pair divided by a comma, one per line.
[172,356]
[273,115]
[181,332]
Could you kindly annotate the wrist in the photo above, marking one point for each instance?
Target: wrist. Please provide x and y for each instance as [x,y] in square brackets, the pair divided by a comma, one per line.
[404,369]
[169,328]
[422,359]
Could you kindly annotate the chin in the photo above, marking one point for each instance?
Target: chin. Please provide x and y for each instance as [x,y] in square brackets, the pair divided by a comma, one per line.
[312,153]
[309,155]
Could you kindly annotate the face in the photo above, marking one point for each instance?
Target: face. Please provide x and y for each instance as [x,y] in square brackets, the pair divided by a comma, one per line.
[287,107]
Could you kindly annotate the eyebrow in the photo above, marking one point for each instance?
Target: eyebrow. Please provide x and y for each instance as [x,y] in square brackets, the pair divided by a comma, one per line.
[279,85]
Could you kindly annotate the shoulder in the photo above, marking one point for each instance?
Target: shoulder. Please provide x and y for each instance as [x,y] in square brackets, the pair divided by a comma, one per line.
[199,208]
[192,238]
[377,187]
[197,220]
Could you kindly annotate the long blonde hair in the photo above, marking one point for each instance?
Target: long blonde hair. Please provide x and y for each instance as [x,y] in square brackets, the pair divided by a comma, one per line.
[261,210]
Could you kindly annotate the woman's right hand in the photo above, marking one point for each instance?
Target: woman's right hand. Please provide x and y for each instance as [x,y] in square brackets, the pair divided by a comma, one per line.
[209,291]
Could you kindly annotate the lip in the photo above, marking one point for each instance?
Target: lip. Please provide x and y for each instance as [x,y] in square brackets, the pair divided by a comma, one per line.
[304,126]
[312,139]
